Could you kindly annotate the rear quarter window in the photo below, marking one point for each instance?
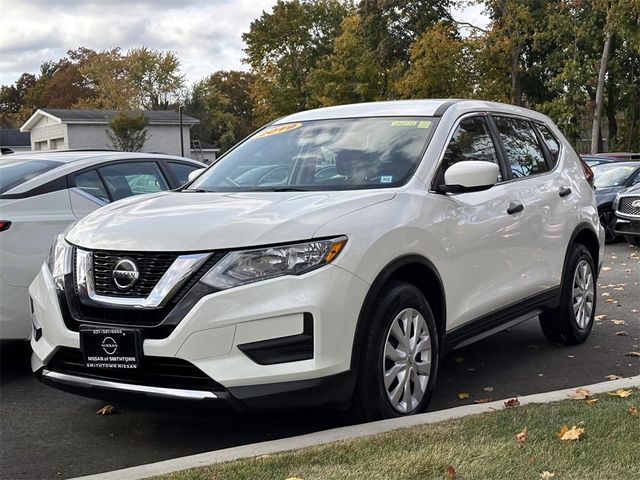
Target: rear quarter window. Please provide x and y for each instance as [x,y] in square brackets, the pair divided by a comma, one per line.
[14,172]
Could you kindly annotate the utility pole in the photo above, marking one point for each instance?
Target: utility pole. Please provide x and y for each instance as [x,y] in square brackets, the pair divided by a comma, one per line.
[181,134]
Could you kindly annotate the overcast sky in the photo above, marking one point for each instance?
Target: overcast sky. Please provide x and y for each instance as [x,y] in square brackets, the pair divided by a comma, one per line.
[206,34]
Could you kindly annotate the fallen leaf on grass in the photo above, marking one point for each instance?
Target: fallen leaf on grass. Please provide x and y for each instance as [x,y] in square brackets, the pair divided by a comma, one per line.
[546,475]
[621,392]
[635,411]
[513,402]
[613,377]
[294,478]
[451,471]
[600,317]
[568,434]
[621,334]
[618,322]
[632,354]
[463,395]
[580,394]
[487,389]
[106,410]
[522,436]
[483,400]
[592,401]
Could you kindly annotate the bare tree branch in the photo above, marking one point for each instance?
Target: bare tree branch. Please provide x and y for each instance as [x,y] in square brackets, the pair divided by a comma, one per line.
[470,25]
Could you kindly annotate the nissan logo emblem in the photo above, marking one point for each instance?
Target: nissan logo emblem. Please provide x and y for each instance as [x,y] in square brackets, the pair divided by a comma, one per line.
[125,274]
[109,345]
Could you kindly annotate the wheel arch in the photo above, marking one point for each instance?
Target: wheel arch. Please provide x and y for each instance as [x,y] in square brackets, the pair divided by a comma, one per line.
[413,269]
[584,235]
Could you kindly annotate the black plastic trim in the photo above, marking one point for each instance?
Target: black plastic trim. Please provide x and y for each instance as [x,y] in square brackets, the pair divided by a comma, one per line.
[54,185]
[292,348]
[549,298]
[444,107]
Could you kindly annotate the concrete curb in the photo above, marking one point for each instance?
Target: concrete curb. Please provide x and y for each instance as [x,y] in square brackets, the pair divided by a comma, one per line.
[342,433]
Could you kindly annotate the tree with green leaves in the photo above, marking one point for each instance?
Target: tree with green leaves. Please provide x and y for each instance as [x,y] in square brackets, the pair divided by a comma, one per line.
[155,76]
[127,131]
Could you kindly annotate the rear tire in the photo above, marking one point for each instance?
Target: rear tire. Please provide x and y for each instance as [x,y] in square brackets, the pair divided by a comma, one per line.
[399,357]
[571,322]
[632,240]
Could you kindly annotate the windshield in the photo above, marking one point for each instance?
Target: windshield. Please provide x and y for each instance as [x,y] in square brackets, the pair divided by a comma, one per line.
[343,154]
[612,175]
[14,172]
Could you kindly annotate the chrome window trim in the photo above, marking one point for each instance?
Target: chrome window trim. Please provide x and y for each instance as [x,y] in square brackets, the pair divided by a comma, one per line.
[175,276]
[88,196]
[128,387]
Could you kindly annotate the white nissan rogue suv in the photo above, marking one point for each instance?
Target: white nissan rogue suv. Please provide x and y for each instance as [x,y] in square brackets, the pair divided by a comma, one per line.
[331,258]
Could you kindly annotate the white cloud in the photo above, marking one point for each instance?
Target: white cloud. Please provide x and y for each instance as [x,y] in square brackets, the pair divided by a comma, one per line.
[206,34]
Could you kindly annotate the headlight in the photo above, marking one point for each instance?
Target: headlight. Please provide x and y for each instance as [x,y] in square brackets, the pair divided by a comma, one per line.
[242,267]
[59,261]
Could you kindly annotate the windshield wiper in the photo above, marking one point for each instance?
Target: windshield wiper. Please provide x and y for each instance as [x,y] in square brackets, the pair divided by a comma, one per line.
[287,189]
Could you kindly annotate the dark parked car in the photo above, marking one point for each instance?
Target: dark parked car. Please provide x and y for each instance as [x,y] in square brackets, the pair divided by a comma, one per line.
[620,155]
[627,211]
[593,160]
[609,179]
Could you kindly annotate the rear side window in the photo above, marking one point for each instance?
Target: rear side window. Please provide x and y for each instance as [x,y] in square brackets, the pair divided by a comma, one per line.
[524,153]
[181,171]
[14,172]
[90,183]
[471,141]
[126,179]
[552,142]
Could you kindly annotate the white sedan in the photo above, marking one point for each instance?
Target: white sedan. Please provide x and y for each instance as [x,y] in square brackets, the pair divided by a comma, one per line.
[42,193]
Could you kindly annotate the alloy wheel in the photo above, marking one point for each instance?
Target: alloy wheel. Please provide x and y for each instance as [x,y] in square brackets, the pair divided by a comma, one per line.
[583,293]
[406,361]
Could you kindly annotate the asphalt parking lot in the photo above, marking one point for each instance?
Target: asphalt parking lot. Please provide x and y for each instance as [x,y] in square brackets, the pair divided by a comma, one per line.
[46,434]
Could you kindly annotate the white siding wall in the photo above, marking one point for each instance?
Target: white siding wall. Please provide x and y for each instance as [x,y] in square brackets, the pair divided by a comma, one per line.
[88,136]
[47,129]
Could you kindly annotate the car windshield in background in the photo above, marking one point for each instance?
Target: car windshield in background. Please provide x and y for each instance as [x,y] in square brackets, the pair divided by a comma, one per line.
[612,175]
[343,154]
[16,171]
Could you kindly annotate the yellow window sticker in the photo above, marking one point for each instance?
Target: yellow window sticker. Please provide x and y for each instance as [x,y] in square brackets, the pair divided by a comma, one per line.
[404,123]
[424,124]
[278,129]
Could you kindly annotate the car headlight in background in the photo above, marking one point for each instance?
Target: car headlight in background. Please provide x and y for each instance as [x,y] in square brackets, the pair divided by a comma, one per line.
[59,261]
[248,266]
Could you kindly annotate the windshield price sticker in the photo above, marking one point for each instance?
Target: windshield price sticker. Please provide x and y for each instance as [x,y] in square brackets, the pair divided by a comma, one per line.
[278,129]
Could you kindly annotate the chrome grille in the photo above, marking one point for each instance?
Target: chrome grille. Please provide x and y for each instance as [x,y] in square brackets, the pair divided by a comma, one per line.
[152,267]
[625,205]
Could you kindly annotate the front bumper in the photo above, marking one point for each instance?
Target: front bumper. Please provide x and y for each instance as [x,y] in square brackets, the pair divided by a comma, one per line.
[627,225]
[211,333]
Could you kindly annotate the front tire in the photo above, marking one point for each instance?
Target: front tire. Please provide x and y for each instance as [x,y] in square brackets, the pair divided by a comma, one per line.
[399,356]
[572,321]
[608,221]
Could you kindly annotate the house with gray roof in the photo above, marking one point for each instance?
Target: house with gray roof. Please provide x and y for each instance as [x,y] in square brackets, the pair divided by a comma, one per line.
[62,129]
[13,140]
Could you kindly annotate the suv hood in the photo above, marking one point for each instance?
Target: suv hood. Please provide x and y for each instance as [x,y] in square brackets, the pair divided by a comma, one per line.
[180,222]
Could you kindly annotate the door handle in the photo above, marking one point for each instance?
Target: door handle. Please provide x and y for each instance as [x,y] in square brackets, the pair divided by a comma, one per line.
[564,191]
[514,207]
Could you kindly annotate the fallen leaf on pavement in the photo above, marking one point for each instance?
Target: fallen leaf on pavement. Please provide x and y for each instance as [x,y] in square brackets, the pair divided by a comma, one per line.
[487,389]
[592,401]
[451,471]
[546,475]
[522,436]
[618,322]
[621,334]
[580,394]
[600,317]
[632,354]
[471,369]
[621,392]
[568,434]
[458,359]
[634,411]
[611,300]
[634,310]
[606,294]
[483,400]
[106,410]
[613,377]
[463,395]
[606,269]
[511,403]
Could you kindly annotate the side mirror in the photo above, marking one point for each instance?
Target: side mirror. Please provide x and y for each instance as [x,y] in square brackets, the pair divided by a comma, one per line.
[195,174]
[469,176]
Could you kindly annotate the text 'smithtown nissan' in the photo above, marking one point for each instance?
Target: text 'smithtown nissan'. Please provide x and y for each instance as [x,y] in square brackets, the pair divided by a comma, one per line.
[331,258]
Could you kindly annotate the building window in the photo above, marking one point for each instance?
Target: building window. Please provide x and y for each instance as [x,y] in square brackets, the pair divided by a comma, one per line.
[40,145]
[57,143]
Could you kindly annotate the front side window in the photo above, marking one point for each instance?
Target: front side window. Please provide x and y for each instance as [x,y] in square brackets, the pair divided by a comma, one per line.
[13,172]
[524,153]
[340,154]
[471,141]
[126,179]
[90,183]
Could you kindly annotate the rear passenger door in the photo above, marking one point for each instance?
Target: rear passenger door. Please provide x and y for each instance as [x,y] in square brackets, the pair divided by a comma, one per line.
[531,152]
